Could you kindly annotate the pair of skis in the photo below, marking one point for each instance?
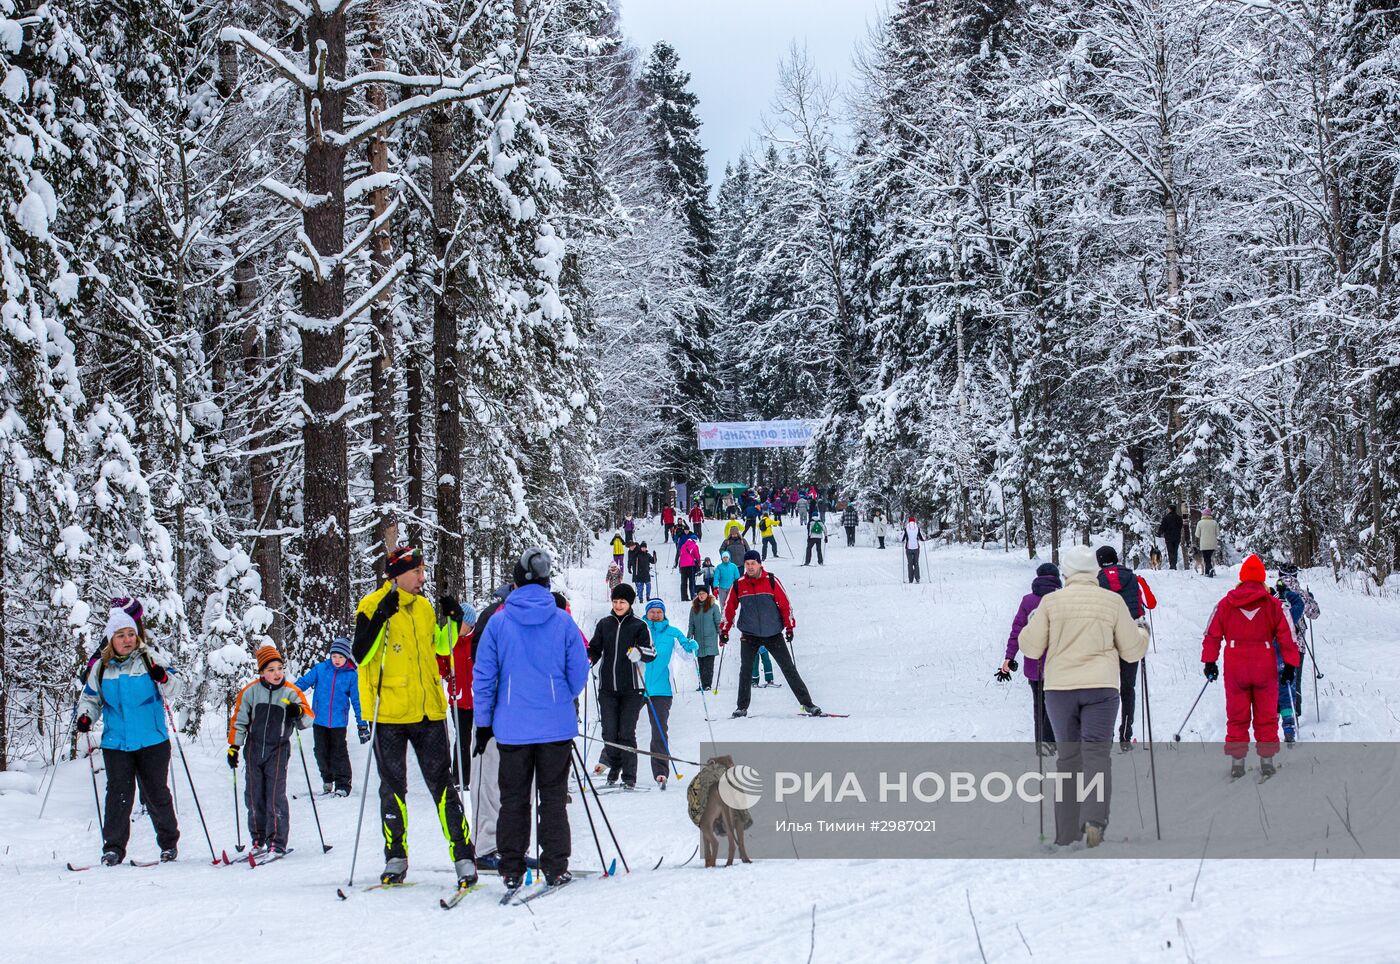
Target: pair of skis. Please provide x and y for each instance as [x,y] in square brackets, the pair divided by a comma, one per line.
[130,863]
[253,859]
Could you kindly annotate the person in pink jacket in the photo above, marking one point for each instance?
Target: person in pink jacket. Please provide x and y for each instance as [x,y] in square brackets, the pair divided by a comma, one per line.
[689,559]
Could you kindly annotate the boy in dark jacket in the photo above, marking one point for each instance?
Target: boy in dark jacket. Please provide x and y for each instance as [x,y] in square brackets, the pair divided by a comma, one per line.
[336,689]
[619,642]
[266,712]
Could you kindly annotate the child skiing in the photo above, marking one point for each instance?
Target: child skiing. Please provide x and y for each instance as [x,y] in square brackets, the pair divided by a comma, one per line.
[336,689]
[1301,607]
[265,713]
[657,677]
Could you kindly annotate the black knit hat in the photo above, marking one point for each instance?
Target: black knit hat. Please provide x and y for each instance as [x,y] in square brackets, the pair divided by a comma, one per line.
[624,591]
[1048,569]
[1107,556]
[401,560]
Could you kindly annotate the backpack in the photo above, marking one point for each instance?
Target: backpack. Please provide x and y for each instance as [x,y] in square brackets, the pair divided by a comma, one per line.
[818,529]
[1311,610]
[697,795]
[1124,582]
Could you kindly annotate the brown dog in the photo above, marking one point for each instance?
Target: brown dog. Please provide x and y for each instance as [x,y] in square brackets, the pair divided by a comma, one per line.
[714,816]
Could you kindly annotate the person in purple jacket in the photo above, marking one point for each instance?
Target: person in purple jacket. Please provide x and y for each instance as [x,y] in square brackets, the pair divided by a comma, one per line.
[1047,580]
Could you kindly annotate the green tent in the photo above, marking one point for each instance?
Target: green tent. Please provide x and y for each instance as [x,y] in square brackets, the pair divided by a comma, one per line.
[713,493]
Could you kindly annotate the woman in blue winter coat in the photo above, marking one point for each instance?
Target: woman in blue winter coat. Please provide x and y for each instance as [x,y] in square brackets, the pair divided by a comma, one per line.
[336,688]
[1047,580]
[726,575]
[124,689]
[665,638]
[704,629]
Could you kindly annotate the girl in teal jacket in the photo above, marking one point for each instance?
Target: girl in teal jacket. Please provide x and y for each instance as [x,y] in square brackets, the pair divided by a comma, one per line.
[665,638]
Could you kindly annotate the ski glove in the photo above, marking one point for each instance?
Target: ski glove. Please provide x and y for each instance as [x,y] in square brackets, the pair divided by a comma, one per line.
[1002,676]
[84,723]
[788,635]
[294,711]
[483,737]
[1289,674]
[364,732]
[158,673]
[634,655]
[724,639]
[233,758]
[452,609]
[1212,672]
[388,605]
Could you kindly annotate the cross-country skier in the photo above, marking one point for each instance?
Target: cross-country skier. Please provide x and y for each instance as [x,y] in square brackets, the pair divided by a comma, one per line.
[764,620]
[689,558]
[1258,630]
[816,538]
[639,567]
[335,690]
[1302,606]
[1170,531]
[620,640]
[726,575]
[124,688]
[1138,597]
[697,519]
[704,629]
[768,532]
[1046,581]
[664,639]
[530,667]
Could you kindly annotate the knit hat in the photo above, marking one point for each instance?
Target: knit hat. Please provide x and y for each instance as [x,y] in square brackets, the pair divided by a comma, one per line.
[533,568]
[341,645]
[1078,559]
[656,604]
[1253,570]
[1047,569]
[401,560]
[1107,556]
[625,592]
[469,615]
[267,654]
[752,554]
[1205,512]
[724,555]
[119,619]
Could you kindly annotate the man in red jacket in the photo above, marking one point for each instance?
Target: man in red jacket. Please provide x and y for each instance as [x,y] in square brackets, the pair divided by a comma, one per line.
[1251,623]
[765,621]
[668,519]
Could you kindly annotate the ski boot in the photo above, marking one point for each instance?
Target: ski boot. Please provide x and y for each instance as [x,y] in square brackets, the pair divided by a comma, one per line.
[738,713]
[661,782]
[626,786]
[1093,835]
[558,880]
[110,858]
[1266,769]
[1124,746]
[326,788]
[258,849]
[512,885]
[168,855]
[491,861]
[1289,738]
[466,873]
[813,710]
[395,871]
[1236,769]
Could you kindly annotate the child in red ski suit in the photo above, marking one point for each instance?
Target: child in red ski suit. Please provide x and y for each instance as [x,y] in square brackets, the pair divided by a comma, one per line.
[1251,623]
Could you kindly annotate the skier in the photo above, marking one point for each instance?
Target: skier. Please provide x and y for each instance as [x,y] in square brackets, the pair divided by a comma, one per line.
[913,537]
[735,546]
[457,670]
[751,518]
[803,508]
[1170,531]
[265,713]
[619,549]
[816,538]
[620,639]
[1257,629]
[397,642]
[1302,606]
[849,520]
[690,562]
[707,575]
[640,568]
[704,629]
[629,528]
[657,680]
[697,520]
[529,668]
[668,518]
[726,575]
[486,766]
[767,530]
[879,526]
[335,690]
[679,534]
[1046,581]
[1207,540]
[127,688]
[1082,631]
[1138,597]
[765,620]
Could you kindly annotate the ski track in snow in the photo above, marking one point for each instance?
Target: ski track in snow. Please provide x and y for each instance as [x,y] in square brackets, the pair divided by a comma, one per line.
[909,663]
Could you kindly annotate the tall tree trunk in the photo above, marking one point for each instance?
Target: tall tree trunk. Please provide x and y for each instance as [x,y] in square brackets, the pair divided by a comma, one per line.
[381,372]
[262,466]
[447,395]
[413,454]
[326,505]
[4,676]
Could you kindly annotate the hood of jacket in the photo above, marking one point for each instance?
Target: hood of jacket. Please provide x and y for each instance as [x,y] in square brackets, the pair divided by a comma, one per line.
[532,605]
[1041,585]
[1247,595]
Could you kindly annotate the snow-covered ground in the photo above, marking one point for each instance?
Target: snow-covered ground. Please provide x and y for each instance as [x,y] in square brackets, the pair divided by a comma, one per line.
[909,663]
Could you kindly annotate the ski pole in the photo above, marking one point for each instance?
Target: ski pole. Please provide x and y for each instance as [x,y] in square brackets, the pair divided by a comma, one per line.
[588,812]
[1040,750]
[1152,629]
[1151,753]
[180,745]
[719,670]
[1177,735]
[237,821]
[603,813]
[311,793]
[53,777]
[633,749]
[656,721]
[369,755]
[92,768]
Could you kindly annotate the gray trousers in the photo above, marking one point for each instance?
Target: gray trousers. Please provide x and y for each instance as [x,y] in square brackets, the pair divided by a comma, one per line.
[265,793]
[486,798]
[1083,724]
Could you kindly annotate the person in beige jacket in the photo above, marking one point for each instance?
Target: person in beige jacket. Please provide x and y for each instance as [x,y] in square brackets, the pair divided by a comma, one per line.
[1082,631]
[1207,540]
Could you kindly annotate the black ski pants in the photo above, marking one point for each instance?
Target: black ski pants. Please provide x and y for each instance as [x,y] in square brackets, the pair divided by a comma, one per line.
[429,741]
[707,671]
[1208,561]
[1173,550]
[1127,694]
[778,648]
[618,713]
[1044,732]
[332,756]
[687,583]
[659,716]
[814,544]
[147,767]
[850,535]
[265,792]
[544,766]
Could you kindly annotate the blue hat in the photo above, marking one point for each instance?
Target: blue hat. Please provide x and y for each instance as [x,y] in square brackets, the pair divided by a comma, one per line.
[752,554]
[341,645]
[724,555]
[656,604]
[469,615]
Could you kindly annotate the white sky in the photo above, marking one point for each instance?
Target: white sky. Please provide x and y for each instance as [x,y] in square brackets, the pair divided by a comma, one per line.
[732,47]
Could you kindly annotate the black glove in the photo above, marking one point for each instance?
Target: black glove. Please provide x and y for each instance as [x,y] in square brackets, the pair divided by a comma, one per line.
[388,605]
[158,673]
[1002,676]
[1212,672]
[1289,674]
[452,609]
[364,732]
[294,711]
[788,635]
[84,723]
[724,639]
[483,737]
[233,758]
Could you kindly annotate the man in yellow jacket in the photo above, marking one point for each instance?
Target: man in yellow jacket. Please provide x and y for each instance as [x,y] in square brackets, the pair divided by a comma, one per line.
[397,642]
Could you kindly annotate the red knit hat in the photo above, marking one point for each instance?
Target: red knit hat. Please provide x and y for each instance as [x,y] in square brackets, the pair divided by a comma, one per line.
[267,654]
[1253,570]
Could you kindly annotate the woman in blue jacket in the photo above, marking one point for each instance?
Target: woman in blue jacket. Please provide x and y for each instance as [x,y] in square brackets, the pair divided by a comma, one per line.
[336,689]
[124,689]
[665,638]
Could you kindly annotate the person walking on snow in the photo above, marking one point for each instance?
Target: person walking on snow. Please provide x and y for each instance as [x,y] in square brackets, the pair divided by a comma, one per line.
[1170,531]
[768,531]
[397,642]
[690,564]
[816,538]
[879,526]
[1258,631]
[335,690]
[726,575]
[1207,540]
[1082,631]
[764,620]
[1046,581]
[620,640]
[530,667]
[1301,606]
[619,549]
[850,518]
[629,528]
[1138,597]
[735,546]
[127,689]
[707,576]
[697,520]
[657,680]
[704,629]
[668,519]
[751,519]
[640,568]
[912,538]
